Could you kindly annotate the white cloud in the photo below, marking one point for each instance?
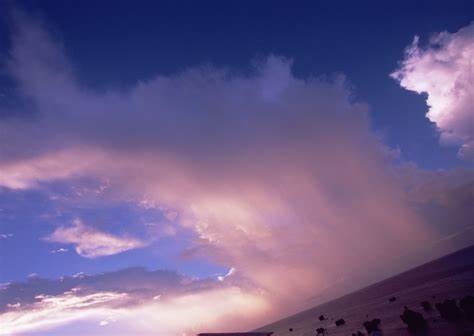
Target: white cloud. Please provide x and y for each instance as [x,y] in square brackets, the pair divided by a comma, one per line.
[50,311]
[91,243]
[228,274]
[59,250]
[444,70]
[6,235]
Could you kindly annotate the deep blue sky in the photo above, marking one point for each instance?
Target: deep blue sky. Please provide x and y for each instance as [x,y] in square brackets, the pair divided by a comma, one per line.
[117,43]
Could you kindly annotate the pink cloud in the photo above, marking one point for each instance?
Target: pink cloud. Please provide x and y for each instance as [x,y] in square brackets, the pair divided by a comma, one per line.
[279,177]
[92,243]
[444,71]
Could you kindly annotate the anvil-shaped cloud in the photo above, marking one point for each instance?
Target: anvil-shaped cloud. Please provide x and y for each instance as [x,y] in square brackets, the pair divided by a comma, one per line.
[279,177]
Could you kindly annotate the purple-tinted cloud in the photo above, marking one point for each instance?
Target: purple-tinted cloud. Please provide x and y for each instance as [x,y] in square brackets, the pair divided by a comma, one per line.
[280,178]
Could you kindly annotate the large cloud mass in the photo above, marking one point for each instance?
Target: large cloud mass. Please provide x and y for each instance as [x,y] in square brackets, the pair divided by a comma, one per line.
[444,70]
[280,178]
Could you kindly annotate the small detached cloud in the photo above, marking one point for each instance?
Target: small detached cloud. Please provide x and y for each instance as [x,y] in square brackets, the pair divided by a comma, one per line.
[6,235]
[92,243]
[59,250]
[444,70]
[228,274]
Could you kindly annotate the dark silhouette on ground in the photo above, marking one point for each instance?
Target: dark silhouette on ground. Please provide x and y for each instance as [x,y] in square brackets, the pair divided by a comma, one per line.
[359,333]
[372,325]
[414,320]
[449,310]
[321,331]
[321,317]
[392,299]
[467,305]
[426,306]
[449,277]
[291,329]
[340,322]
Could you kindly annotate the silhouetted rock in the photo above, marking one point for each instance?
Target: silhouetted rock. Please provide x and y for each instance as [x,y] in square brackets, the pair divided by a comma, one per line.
[321,317]
[413,319]
[321,331]
[426,306]
[358,333]
[291,329]
[467,305]
[371,326]
[392,299]
[448,310]
[340,322]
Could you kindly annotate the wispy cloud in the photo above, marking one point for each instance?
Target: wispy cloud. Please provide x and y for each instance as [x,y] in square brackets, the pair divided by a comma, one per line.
[130,301]
[51,311]
[444,70]
[92,243]
[59,250]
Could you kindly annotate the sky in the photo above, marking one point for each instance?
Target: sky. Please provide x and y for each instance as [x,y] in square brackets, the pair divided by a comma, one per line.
[169,168]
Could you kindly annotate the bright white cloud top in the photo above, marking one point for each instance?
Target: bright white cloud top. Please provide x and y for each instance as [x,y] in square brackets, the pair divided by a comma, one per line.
[444,70]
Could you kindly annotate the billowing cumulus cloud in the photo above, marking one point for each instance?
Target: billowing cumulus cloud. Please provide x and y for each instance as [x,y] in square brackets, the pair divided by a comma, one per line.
[444,70]
[279,178]
[90,242]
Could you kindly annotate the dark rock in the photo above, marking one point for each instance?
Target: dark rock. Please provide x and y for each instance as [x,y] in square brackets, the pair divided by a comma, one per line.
[392,299]
[426,306]
[291,329]
[321,317]
[448,310]
[371,326]
[413,320]
[467,305]
[359,333]
[321,331]
[340,322]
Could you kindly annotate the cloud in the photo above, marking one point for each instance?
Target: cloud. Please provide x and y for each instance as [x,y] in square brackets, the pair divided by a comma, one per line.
[6,235]
[137,282]
[278,178]
[444,70]
[51,311]
[124,302]
[59,250]
[92,243]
